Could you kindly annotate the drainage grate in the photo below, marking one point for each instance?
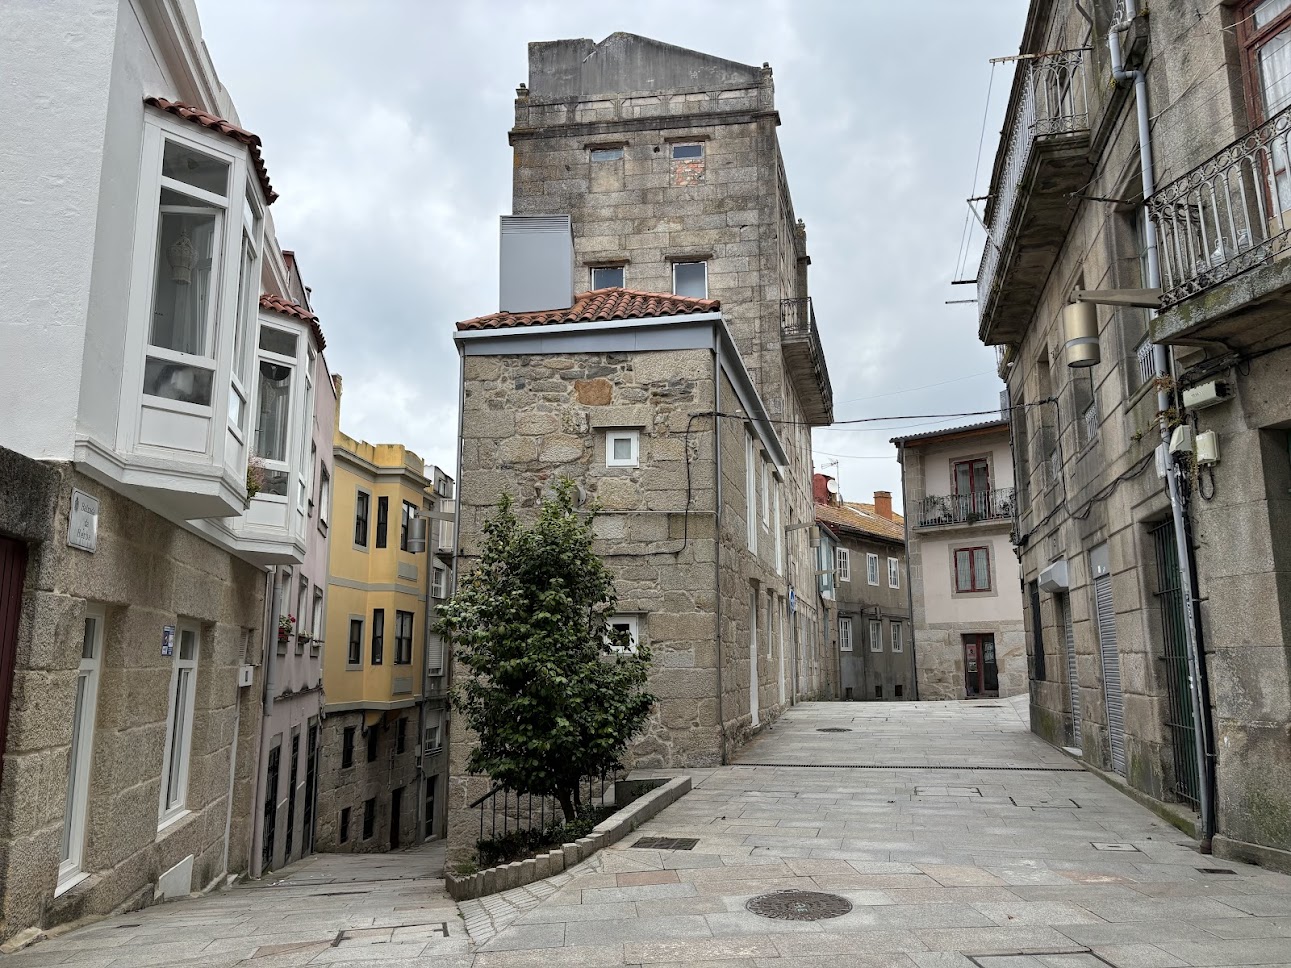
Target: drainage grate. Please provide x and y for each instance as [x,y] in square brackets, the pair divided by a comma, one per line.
[833,729]
[799,905]
[1126,848]
[916,766]
[667,843]
[1214,870]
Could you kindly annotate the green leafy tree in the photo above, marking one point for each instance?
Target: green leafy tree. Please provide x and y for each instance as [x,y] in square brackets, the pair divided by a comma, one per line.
[553,692]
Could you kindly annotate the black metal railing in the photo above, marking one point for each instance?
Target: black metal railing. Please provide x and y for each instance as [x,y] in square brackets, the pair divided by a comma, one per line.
[1183,731]
[798,325]
[503,811]
[943,509]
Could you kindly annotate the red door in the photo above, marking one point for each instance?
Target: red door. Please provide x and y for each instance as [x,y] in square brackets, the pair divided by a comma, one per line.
[13,570]
[981,674]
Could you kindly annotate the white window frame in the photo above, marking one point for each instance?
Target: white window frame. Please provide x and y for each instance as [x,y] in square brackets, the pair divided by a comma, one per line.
[302,612]
[872,568]
[319,620]
[634,439]
[898,638]
[299,416]
[439,582]
[633,623]
[432,741]
[843,564]
[894,573]
[620,269]
[703,263]
[324,494]
[248,298]
[844,634]
[76,806]
[173,797]
[766,492]
[750,487]
[779,533]
[876,635]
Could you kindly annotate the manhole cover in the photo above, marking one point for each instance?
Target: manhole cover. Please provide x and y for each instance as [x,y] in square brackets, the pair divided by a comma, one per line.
[799,905]
[1214,870]
[833,729]
[667,843]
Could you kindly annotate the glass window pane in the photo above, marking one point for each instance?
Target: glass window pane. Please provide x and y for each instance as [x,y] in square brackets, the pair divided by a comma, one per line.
[275,411]
[187,644]
[1266,11]
[74,757]
[607,154]
[963,577]
[174,795]
[275,482]
[183,292]
[690,279]
[622,448]
[688,151]
[88,642]
[237,408]
[606,277]
[982,568]
[248,287]
[277,341]
[192,167]
[177,381]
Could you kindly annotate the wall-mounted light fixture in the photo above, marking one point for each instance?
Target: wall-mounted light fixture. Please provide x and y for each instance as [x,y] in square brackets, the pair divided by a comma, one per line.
[1080,319]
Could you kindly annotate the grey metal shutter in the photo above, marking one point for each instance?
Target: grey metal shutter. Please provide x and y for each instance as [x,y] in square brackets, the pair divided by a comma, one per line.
[1073,681]
[1111,671]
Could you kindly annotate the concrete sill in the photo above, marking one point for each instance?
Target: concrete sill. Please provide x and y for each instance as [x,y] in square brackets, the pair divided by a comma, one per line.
[70,883]
[170,823]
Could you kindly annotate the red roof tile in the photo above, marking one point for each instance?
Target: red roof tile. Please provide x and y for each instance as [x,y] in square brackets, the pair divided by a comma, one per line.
[862,519]
[276,304]
[220,126]
[600,305]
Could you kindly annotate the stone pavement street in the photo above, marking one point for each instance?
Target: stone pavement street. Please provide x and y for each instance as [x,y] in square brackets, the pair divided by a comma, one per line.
[959,839]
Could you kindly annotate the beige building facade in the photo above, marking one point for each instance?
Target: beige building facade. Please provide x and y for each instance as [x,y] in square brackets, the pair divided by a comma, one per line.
[957,488]
[1189,205]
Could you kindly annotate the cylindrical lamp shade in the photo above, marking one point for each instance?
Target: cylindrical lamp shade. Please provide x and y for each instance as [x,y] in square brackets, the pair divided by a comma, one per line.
[1080,334]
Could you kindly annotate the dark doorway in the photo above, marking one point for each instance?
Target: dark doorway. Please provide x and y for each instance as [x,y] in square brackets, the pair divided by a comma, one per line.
[430,806]
[981,675]
[13,572]
[270,805]
[311,789]
[396,807]
[291,797]
[1183,732]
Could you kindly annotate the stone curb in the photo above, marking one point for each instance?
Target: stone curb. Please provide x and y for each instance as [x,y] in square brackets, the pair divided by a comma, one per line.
[610,830]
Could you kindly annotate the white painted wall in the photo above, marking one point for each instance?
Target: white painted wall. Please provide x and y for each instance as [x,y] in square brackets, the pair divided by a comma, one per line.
[1004,604]
[938,461]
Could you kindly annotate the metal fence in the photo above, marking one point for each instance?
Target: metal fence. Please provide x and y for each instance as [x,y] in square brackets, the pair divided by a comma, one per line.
[1183,733]
[943,509]
[1228,215]
[503,811]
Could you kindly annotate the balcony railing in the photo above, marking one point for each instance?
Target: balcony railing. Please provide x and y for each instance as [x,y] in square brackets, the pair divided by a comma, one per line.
[806,359]
[1230,214]
[1054,102]
[938,510]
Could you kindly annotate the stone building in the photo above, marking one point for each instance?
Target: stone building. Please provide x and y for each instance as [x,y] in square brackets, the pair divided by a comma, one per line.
[383,737]
[1084,198]
[870,612]
[957,491]
[675,328]
[132,550]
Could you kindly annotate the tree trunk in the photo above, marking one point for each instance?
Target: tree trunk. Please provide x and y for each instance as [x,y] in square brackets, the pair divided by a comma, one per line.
[566,798]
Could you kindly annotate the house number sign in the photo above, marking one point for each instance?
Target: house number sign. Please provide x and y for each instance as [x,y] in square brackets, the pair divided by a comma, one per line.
[83,524]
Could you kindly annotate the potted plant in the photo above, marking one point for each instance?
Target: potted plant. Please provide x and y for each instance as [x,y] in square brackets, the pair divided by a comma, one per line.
[285,624]
[255,478]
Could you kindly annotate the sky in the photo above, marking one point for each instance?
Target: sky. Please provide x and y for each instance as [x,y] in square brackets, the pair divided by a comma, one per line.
[385,125]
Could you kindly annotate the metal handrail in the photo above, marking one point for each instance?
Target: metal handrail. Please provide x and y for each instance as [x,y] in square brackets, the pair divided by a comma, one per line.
[518,818]
[945,509]
[798,322]
[1230,214]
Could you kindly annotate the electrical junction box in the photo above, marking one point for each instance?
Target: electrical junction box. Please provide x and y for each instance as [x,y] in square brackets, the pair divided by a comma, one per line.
[1208,447]
[1205,395]
[1054,578]
[246,674]
[1181,441]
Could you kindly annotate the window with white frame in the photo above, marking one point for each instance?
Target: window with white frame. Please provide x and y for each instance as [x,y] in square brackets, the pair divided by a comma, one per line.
[318,621]
[438,585]
[843,564]
[690,279]
[766,491]
[275,377]
[898,637]
[844,635]
[248,297]
[894,573]
[750,491]
[179,724]
[432,741]
[622,448]
[631,626]
[79,757]
[779,533]
[872,569]
[876,636]
[324,494]
[607,277]
[302,615]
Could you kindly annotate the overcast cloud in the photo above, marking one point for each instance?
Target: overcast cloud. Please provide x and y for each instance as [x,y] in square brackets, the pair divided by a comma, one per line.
[385,130]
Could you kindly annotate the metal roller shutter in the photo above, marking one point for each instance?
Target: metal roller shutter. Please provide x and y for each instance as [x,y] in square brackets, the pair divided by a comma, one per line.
[1111,671]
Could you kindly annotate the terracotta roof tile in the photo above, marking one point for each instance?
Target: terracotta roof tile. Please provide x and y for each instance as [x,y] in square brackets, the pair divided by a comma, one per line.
[597,306]
[276,304]
[220,126]
[862,519]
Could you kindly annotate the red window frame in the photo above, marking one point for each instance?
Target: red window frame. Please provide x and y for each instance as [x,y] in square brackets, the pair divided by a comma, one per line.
[1251,40]
[973,577]
[972,477]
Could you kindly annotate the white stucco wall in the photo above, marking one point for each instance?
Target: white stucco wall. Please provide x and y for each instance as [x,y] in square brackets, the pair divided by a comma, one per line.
[1002,604]
[938,463]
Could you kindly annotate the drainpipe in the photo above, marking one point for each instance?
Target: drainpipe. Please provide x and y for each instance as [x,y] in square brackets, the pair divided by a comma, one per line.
[270,647]
[909,588]
[717,544]
[1162,363]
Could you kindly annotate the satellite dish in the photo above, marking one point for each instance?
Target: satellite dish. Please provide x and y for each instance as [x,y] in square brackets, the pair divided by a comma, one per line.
[831,486]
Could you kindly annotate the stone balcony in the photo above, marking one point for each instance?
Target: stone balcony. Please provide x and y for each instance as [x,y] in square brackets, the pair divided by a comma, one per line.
[805,359]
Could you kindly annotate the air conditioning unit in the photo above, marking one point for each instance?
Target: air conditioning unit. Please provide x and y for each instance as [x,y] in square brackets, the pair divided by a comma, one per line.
[1054,578]
[246,675]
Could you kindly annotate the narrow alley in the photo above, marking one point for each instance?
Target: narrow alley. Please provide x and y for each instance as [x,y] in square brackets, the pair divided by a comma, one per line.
[957,837]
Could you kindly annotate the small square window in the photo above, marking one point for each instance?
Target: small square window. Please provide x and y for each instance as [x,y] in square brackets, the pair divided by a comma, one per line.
[878,692]
[347,748]
[606,154]
[690,279]
[629,624]
[607,277]
[622,448]
[690,151]
[899,689]
[373,737]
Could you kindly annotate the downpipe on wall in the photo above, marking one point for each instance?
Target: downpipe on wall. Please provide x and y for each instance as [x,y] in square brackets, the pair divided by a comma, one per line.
[1162,365]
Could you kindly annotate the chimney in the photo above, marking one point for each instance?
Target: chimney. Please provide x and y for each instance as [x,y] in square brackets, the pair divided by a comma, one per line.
[883,504]
[820,488]
[536,268]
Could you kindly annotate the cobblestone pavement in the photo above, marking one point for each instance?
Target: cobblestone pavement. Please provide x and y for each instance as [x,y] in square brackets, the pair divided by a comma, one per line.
[958,838]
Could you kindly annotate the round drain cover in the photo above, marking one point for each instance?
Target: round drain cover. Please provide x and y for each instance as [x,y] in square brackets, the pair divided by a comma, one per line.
[833,729]
[799,905]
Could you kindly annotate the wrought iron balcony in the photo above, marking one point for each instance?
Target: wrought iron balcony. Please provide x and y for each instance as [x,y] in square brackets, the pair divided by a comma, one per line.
[942,510]
[806,360]
[1029,211]
[1228,216]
